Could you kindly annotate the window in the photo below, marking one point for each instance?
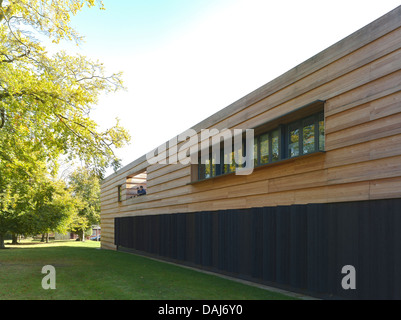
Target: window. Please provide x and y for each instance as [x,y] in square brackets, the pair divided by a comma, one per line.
[256,152]
[321,132]
[289,140]
[275,141]
[119,198]
[293,143]
[306,136]
[267,148]
[264,148]
[136,185]
[226,166]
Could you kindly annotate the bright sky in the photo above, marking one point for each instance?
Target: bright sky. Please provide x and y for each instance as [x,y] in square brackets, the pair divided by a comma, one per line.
[184,60]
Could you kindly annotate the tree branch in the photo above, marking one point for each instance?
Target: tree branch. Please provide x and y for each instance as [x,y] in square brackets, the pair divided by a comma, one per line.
[3,118]
[94,134]
[11,60]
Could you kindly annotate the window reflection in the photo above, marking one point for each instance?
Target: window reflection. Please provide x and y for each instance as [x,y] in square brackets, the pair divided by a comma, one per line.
[275,145]
[294,143]
[264,148]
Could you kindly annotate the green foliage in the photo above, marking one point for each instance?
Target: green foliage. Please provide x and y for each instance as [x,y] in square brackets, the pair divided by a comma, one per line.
[85,188]
[45,102]
[52,209]
[35,204]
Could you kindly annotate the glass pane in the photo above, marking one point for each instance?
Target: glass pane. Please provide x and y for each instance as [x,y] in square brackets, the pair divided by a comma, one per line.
[321,135]
[232,164]
[275,146]
[213,171]
[264,148]
[255,152]
[239,163]
[226,165]
[207,169]
[308,138]
[293,146]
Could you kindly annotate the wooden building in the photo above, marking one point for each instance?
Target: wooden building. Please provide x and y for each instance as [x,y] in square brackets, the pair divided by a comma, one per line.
[325,192]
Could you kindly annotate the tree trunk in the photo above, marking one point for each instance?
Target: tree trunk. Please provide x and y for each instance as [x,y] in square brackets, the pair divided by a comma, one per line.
[2,118]
[2,246]
[47,237]
[15,239]
[43,238]
[83,236]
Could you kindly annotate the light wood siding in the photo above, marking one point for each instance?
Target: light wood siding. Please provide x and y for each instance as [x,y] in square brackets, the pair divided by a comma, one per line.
[360,80]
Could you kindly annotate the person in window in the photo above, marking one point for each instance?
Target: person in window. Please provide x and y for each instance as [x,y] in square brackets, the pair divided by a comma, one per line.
[141,191]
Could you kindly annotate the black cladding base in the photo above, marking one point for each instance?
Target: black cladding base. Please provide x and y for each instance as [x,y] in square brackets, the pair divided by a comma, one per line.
[301,248]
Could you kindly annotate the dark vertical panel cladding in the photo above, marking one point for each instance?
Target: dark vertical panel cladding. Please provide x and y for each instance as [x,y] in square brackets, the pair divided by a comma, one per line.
[301,247]
[198,239]
[215,241]
[117,231]
[382,247]
[181,235]
[172,233]
[298,246]
[333,274]
[257,243]
[269,244]
[364,250]
[396,265]
[155,249]
[317,247]
[206,237]
[347,240]
[283,245]
[222,240]
[230,241]
[164,235]
[245,248]
[190,238]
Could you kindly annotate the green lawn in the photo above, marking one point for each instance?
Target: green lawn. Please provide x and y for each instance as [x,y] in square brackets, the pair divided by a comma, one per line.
[85,272]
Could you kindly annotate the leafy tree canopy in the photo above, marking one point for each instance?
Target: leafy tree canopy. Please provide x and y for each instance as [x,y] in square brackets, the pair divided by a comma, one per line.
[45,105]
[45,101]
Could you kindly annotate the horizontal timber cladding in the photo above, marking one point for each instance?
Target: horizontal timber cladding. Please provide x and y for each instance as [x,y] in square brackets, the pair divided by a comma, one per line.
[359,78]
[302,248]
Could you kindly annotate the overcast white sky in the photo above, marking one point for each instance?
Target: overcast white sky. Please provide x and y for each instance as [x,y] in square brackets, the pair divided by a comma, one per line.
[183,60]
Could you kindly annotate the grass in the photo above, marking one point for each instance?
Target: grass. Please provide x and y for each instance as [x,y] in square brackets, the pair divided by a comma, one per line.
[85,273]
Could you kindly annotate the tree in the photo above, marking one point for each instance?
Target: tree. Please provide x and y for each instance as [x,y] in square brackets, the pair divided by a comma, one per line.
[15,183]
[45,104]
[7,213]
[52,209]
[85,188]
[46,101]
[33,204]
